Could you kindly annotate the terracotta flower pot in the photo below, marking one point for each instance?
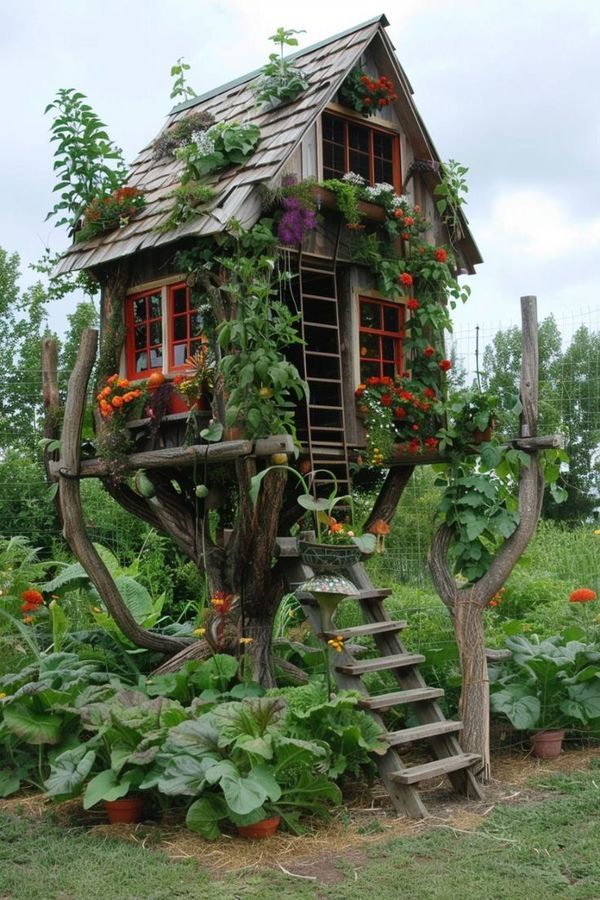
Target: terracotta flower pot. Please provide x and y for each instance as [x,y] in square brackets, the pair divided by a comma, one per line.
[264,829]
[547,744]
[127,809]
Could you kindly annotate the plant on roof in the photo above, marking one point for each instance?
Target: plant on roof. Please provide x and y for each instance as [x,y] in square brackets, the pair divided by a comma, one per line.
[181,89]
[225,144]
[365,94]
[182,132]
[107,213]
[87,163]
[281,81]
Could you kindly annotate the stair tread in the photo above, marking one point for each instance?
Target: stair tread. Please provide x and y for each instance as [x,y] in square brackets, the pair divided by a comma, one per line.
[362,630]
[381,663]
[421,732]
[435,768]
[398,698]
[374,594]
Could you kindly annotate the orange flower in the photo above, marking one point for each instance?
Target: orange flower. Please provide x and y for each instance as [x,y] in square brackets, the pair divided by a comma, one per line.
[117,402]
[582,595]
[221,602]
[32,597]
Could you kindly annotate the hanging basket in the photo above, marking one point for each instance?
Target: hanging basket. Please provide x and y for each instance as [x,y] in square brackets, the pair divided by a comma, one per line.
[326,558]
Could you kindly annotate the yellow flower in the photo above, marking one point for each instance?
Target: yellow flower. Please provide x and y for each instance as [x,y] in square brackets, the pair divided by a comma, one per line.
[199,632]
[597,531]
[27,620]
[96,609]
[2,695]
[246,640]
[336,643]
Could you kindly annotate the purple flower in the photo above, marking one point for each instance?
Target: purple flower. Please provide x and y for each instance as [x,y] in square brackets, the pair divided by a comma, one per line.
[295,222]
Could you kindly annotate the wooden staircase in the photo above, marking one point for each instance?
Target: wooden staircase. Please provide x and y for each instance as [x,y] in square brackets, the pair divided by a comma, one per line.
[438,733]
[324,432]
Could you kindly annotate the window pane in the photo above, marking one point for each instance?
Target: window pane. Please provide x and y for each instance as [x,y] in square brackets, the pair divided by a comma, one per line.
[156,332]
[140,362]
[333,129]
[382,145]
[388,349]
[368,370]
[155,306]
[179,300]
[391,319]
[179,354]
[156,358]
[359,163]
[139,309]
[140,337]
[369,345]
[180,328]
[383,171]
[389,369]
[196,323]
[333,157]
[370,315]
[359,138]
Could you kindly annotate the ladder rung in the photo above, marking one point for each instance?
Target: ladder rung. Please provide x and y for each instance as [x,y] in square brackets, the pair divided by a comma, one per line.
[381,663]
[375,594]
[321,325]
[323,381]
[363,630]
[314,406]
[400,698]
[320,353]
[318,297]
[421,732]
[435,768]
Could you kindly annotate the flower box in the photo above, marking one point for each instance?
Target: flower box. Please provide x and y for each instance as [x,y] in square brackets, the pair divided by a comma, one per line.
[329,558]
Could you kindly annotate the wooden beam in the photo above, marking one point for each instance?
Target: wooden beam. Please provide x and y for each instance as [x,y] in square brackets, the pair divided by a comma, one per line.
[545,442]
[212,454]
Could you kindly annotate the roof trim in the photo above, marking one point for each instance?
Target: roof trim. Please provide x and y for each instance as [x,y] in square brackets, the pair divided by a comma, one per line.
[237,82]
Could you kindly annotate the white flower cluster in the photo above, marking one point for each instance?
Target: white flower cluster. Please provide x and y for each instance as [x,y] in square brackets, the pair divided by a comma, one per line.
[399,201]
[353,178]
[204,141]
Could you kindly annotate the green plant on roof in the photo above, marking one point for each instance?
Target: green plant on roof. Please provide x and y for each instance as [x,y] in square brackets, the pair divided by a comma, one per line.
[280,80]
[181,89]
[225,144]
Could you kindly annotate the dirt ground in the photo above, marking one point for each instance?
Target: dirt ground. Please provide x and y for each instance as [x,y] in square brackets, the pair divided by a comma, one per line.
[368,819]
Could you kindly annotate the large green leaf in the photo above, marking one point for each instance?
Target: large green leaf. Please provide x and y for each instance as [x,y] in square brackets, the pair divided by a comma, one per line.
[184,775]
[204,814]
[69,771]
[33,727]
[216,673]
[254,716]
[587,696]
[243,794]
[197,738]
[108,786]
[519,706]
[135,597]
[10,782]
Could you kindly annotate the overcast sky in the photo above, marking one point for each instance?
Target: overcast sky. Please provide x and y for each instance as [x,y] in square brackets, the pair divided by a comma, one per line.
[508,88]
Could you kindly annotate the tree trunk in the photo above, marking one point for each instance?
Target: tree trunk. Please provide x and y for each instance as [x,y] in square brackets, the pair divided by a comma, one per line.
[474,697]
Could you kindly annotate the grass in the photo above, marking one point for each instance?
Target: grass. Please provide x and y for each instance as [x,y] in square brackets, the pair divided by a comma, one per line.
[538,848]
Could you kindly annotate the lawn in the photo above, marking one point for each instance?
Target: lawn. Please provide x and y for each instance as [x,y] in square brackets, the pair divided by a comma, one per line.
[534,840]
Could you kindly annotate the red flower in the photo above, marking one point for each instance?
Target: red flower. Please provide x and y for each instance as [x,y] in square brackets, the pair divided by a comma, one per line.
[408,221]
[415,427]
[400,412]
[582,595]
[431,442]
[386,400]
[429,392]
[414,446]
[32,598]
[445,365]
[221,602]
[428,351]
[441,255]
[406,279]
[413,303]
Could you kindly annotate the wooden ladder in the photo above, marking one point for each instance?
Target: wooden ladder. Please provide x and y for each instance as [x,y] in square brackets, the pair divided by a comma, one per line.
[325,434]
[440,734]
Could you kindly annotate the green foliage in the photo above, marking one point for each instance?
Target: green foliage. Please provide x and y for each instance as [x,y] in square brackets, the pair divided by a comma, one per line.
[111,211]
[181,132]
[223,145]
[280,80]
[87,163]
[188,196]
[552,683]
[451,192]
[180,88]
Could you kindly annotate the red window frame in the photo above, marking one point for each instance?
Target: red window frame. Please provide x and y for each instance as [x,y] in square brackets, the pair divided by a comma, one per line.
[191,342]
[131,351]
[372,130]
[382,359]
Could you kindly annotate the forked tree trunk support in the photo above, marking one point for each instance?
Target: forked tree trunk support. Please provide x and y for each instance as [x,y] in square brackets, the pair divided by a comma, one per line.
[70,501]
[467,604]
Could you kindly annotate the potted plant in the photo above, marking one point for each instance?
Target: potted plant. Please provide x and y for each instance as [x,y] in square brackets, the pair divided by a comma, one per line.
[242,767]
[365,94]
[336,545]
[127,732]
[546,687]
[470,419]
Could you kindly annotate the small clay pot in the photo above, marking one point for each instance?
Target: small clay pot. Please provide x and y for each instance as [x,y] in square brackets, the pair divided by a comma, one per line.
[127,809]
[547,744]
[264,829]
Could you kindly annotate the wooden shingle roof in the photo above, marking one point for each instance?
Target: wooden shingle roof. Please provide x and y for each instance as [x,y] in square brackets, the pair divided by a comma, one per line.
[325,65]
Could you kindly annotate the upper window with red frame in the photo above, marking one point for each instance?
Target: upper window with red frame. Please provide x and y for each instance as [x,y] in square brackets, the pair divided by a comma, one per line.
[381,330]
[146,315]
[350,146]
[187,323]
[144,344]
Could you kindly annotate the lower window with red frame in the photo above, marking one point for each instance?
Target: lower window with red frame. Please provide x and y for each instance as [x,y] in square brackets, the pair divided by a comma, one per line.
[381,331]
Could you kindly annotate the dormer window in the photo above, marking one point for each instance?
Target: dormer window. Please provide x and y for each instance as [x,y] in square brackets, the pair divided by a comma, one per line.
[350,146]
